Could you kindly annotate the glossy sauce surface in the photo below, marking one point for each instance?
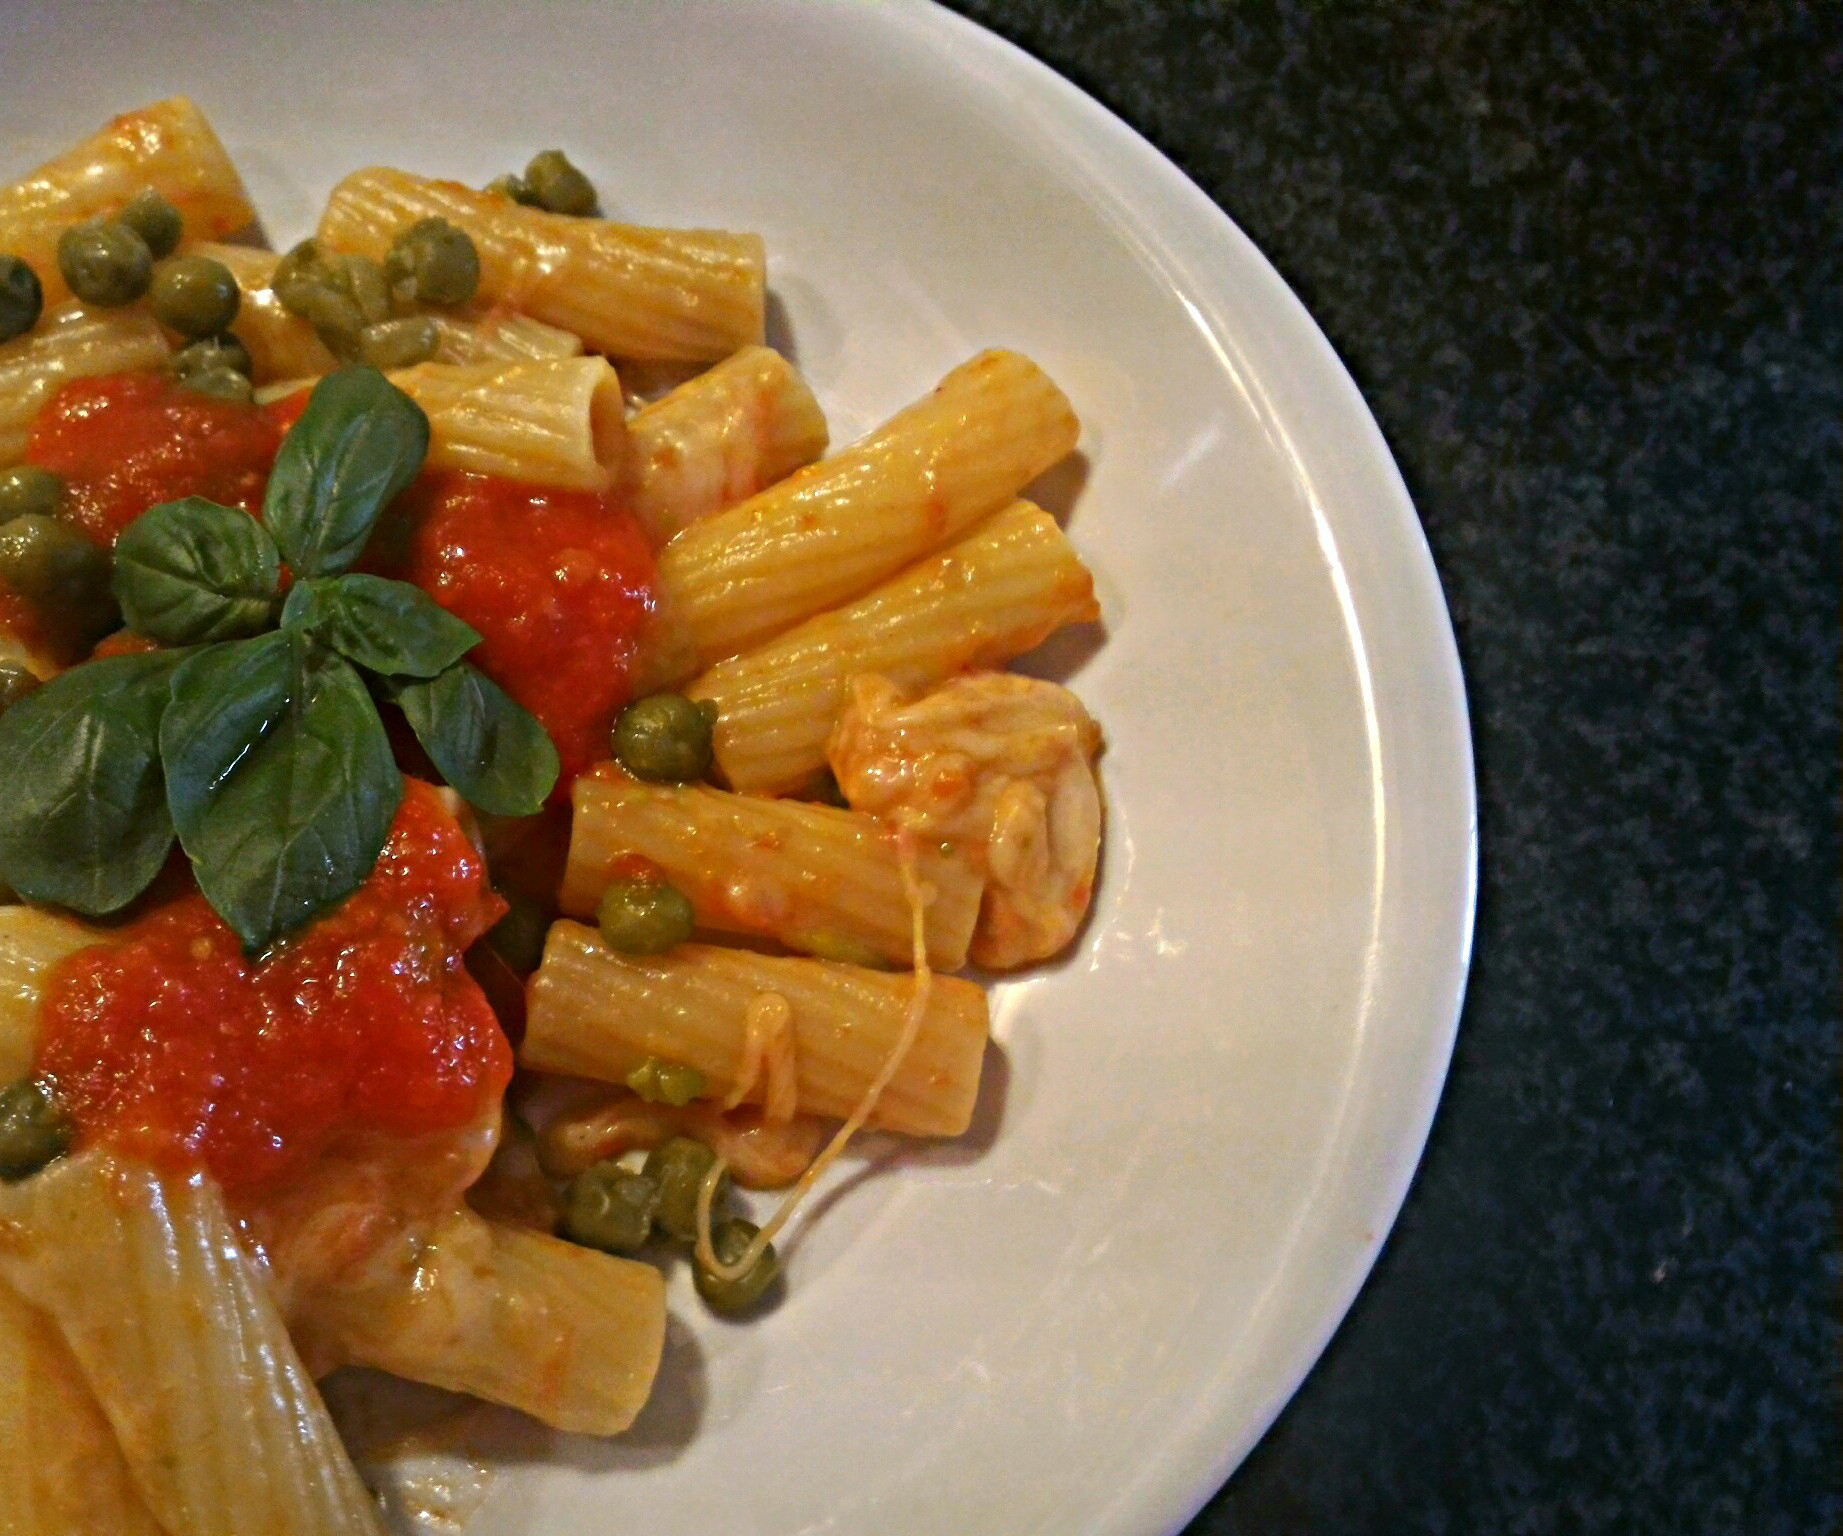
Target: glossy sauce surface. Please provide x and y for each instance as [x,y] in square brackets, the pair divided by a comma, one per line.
[126,442]
[560,585]
[170,1043]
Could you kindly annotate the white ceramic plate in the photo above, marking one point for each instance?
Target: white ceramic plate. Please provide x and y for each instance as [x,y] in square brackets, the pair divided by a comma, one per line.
[1199,1126]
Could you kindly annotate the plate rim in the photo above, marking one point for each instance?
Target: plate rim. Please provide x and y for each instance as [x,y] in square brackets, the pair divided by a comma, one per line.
[1212,1443]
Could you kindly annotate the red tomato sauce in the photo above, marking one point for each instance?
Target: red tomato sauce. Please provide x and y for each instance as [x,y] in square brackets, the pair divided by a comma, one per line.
[558,583]
[125,442]
[169,1043]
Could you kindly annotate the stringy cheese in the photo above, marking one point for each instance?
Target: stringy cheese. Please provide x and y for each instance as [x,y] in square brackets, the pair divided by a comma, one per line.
[919,895]
[768,1052]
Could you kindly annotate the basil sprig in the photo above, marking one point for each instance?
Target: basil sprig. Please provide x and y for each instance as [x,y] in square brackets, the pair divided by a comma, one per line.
[260,747]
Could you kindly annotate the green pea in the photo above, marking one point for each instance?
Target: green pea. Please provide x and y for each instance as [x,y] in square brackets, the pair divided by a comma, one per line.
[678,1167]
[666,1082]
[558,187]
[363,279]
[195,295]
[57,568]
[22,300]
[607,1207]
[730,1240]
[519,935]
[155,220]
[16,682]
[25,488]
[665,738]
[220,384]
[300,269]
[644,917]
[104,264]
[514,187]
[335,318]
[442,260]
[209,352]
[398,343]
[33,1130]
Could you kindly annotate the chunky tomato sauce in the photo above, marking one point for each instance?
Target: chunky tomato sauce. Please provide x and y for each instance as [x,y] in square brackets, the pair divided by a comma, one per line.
[558,583]
[173,1045]
[128,441]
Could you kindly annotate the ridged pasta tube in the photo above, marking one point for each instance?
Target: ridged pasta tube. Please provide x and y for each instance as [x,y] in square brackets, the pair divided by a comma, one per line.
[69,343]
[835,529]
[559,422]
[568,1335]
[719,438]
[811,877]
[992,596]
[594,1013]
[696,294]
[61,1472]
[168,147]
[172,1325]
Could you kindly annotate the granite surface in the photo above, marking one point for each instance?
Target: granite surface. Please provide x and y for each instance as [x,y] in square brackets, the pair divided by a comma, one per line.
[1583,260]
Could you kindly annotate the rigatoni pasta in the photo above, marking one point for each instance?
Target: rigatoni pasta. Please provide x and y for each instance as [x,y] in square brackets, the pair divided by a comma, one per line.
[563,1333]
[596,1013]
[719,438]
[170,1321]
[837,528]
[817,879]
[167,147]
[629,292]
[60,1466]
[32,940]
[558,422]
[994,595]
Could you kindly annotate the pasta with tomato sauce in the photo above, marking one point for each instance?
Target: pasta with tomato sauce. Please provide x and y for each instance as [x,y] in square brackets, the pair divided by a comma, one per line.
[464,819]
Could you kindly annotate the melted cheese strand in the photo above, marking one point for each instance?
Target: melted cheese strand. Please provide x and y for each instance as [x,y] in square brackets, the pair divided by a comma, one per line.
[918,895]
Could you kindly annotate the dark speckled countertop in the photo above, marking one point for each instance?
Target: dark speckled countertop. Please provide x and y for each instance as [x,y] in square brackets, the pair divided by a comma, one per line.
[1583,260]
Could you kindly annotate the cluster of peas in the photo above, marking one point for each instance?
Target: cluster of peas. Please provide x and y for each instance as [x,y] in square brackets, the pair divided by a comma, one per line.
[664,739]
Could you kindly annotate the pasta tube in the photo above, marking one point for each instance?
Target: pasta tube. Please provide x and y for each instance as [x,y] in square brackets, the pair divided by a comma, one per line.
[812,877]
[558,423]
[571,1336]
[696,294]
[595,1013]
[719,438]
[69,343]
[60,1467]
[31,942]
[990,597]
[168,147]
[170,1322]
[837,528]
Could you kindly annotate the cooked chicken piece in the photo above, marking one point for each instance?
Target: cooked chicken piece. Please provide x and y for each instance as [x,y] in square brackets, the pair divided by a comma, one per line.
[1001,767]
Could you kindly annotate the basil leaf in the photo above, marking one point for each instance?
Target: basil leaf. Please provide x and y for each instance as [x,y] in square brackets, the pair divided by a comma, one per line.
[83,821]
[360,441]
[389,627]
[280,781]
[486,745]
[190,571]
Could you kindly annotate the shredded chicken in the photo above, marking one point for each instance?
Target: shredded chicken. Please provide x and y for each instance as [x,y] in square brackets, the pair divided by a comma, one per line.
[1001,767]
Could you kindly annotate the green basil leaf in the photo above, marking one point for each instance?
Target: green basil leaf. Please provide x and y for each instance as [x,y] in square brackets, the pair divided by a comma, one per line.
[279,779]
[360,441]
[486,745]
[83,821]
[191,571]
[388,627]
